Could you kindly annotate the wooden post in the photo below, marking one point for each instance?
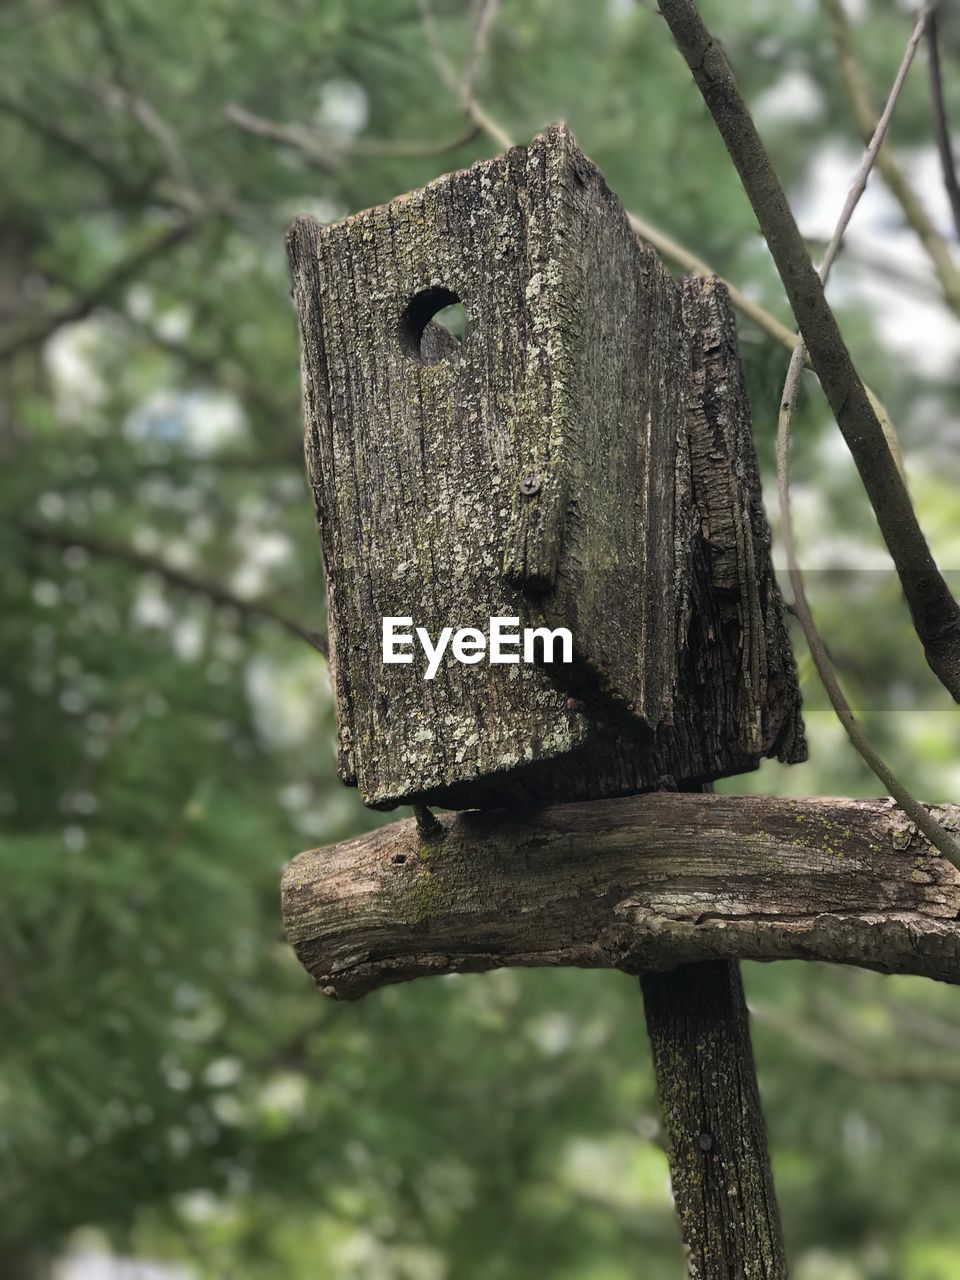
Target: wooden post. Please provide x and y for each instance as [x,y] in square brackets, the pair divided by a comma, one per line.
[716,1136]
[717,1141]
[582,461]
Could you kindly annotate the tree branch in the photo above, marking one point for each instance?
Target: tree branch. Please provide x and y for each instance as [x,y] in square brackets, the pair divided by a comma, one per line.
[327,154]
[671,249]
[87,300]
[643,883]
[912,207]
[183,581]
[483,29]
[941,127]
[76,148]
[935,613]
[856,1060]
[462,85]
[119,97]
[310,143]
[941,839]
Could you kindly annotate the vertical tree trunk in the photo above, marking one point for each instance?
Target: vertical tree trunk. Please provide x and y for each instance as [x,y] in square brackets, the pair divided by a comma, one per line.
[717,1142]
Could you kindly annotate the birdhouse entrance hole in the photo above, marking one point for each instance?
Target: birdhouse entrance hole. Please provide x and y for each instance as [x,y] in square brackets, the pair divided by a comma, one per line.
[433,325]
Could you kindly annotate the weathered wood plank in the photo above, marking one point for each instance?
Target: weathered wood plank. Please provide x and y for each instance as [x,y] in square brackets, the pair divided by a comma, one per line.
[739,692]
[643,883]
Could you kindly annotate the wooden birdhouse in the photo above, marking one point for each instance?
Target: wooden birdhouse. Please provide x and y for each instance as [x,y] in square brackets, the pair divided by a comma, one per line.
[578,462]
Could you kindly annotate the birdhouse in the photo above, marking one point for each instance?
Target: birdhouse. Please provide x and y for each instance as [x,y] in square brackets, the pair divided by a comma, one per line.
[547,563]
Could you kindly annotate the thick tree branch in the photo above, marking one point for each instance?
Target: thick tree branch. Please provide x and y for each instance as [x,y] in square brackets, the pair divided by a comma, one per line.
[935,613]
[183,581]
[647,882]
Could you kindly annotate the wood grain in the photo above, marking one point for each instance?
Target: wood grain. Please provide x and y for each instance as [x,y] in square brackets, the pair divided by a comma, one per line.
[587,366]
[644,883]
[717,1141]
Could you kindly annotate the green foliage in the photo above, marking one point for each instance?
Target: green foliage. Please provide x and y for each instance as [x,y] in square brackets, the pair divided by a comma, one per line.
[169,1078]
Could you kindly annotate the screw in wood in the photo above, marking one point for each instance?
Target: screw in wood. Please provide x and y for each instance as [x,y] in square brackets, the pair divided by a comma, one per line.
[530,485]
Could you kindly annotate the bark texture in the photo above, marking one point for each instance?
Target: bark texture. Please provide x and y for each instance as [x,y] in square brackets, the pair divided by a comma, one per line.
[643,883]
[717,1143]
[582,459]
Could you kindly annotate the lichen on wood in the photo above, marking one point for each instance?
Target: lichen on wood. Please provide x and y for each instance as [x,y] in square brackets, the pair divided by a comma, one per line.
[717,1142]
[638,884]
[587,367]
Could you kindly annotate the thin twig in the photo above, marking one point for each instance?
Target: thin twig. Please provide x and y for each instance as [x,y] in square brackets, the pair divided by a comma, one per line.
[932,829]
[486,19]
[314,145]
[150,186]
[935,612]
[941,127]
[878,261]
[74,147]
[177,185]
[829,1045]
[458,84]
[364,147]
[118,98]
[327,153]
[914,211]
[219,595]
[432,37]
[916,811]
[873,149]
